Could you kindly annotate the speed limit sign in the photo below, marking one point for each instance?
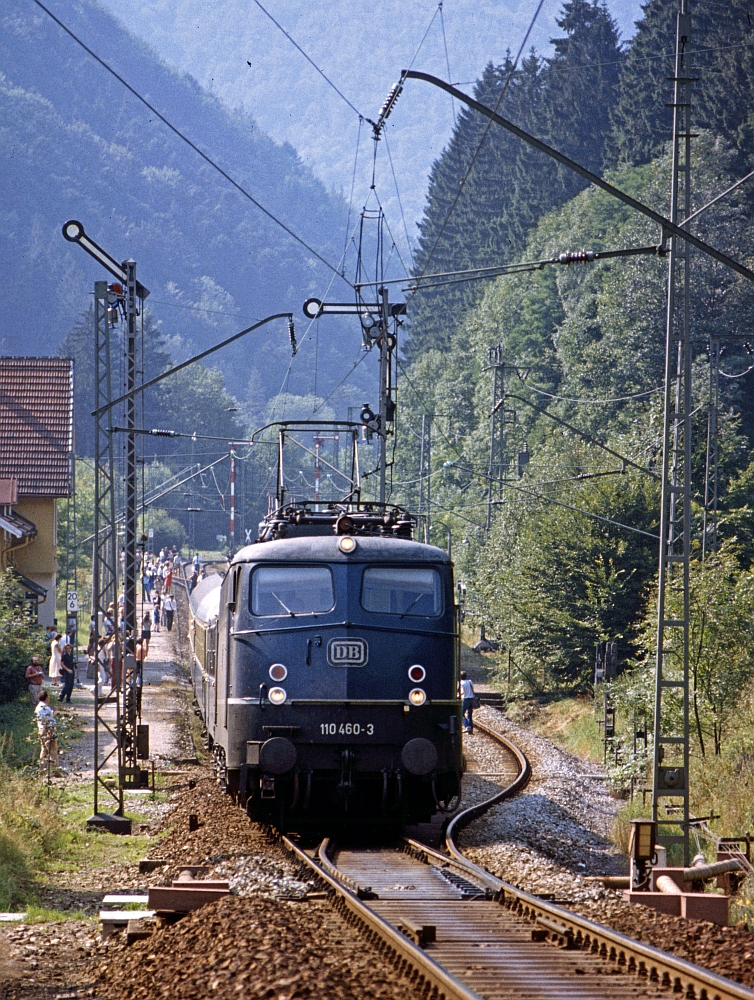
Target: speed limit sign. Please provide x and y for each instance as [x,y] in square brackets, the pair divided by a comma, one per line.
[72,601]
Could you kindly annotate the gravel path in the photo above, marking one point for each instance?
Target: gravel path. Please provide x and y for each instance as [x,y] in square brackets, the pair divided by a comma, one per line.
[166,699]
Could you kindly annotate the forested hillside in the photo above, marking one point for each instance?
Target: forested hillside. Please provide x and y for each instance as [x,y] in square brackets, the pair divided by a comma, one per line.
[571,556]
[74,143]
[488,190]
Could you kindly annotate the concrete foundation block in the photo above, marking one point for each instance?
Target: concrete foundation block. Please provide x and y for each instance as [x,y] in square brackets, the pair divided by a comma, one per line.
[707,906]
[660,901]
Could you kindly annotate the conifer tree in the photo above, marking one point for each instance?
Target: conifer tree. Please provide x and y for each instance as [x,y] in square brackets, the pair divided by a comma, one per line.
[722,57]
[565,100]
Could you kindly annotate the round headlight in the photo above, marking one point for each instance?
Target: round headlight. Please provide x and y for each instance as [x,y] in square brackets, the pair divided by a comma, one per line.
[347,544]
[416,696]
[417,673]
[277,696]
[278,671]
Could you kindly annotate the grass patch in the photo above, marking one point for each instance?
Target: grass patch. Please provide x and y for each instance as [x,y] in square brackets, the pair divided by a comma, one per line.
[41,915]
[43,832]
[573,725]
[18,733]
[742,904]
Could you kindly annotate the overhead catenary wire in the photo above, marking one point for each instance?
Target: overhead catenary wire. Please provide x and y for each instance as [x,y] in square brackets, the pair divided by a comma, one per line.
[400,203]
[543,497]
[670,54]
[447,60]
[595,402]
[311,62]
[438,9]
[560,503]
[208,159]
[583,434]
[350,197]
[579,510]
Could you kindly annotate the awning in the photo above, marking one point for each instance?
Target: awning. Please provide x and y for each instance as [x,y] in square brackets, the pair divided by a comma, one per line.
[36,589]
[18,526]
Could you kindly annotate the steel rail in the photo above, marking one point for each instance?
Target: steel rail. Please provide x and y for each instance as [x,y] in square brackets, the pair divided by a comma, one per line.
[427,976]
[550,922]
[657,966]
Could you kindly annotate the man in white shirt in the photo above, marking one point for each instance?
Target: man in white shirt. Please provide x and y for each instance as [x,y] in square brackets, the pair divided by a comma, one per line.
[467,702]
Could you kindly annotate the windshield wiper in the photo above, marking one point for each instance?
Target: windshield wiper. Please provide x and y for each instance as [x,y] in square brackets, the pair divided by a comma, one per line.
[415,601]
[283,606]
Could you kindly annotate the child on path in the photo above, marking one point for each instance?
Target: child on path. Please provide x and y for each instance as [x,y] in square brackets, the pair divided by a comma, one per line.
[48,732]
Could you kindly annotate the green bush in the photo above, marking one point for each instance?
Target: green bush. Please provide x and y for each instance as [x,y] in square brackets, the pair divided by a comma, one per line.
[20,638]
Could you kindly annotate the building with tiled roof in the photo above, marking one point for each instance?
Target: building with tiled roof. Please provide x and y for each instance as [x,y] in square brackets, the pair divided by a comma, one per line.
[36,424]
[36,466]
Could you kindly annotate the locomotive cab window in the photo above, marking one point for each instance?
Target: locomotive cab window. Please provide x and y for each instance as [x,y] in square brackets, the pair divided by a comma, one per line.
[291,590]
[399,590]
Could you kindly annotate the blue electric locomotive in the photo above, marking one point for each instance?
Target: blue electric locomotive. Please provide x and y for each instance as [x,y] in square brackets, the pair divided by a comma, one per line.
[325,667]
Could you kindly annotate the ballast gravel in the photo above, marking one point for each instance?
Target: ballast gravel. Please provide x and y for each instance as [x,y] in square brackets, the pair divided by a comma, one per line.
[268,938]
[227,843]
[556,832]
[552,834]
[251,947]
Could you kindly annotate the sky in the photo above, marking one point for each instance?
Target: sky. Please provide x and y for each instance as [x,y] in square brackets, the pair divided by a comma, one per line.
[233,49]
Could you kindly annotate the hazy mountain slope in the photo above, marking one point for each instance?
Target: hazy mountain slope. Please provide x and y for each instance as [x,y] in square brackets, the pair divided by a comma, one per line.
[75,143]
[362,47]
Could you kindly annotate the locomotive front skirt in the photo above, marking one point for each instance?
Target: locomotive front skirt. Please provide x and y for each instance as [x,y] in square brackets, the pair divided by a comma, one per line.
[326,671]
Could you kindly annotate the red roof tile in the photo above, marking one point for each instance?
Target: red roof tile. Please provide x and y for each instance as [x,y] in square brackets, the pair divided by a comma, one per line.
[36,424]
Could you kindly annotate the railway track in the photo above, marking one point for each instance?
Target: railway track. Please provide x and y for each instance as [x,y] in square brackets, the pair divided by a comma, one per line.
[459,932]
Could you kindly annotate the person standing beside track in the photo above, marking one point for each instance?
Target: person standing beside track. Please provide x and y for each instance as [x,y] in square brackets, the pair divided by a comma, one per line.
[56,652]
[34,676]
[146,631]
[68,673]
[170,606]
[467,702]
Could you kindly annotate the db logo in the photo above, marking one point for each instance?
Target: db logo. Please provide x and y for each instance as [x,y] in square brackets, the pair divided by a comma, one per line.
[347,652]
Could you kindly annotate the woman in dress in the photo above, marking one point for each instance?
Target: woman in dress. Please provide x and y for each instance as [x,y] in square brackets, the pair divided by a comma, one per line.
[56,656]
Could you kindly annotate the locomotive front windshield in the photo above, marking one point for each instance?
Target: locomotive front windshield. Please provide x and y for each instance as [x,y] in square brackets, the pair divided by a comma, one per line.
[291,590]
[399,590]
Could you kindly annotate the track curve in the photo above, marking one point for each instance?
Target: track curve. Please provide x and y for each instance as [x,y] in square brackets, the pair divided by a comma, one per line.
[414,902]
[466,816]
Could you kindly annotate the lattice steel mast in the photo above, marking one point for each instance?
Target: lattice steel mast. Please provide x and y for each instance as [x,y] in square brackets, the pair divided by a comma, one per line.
[670,787]
[711,496]
[425,475]
[105,552]
[497,464]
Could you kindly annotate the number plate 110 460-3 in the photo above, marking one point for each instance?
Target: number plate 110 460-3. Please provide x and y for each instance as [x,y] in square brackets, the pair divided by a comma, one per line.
[346,729]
